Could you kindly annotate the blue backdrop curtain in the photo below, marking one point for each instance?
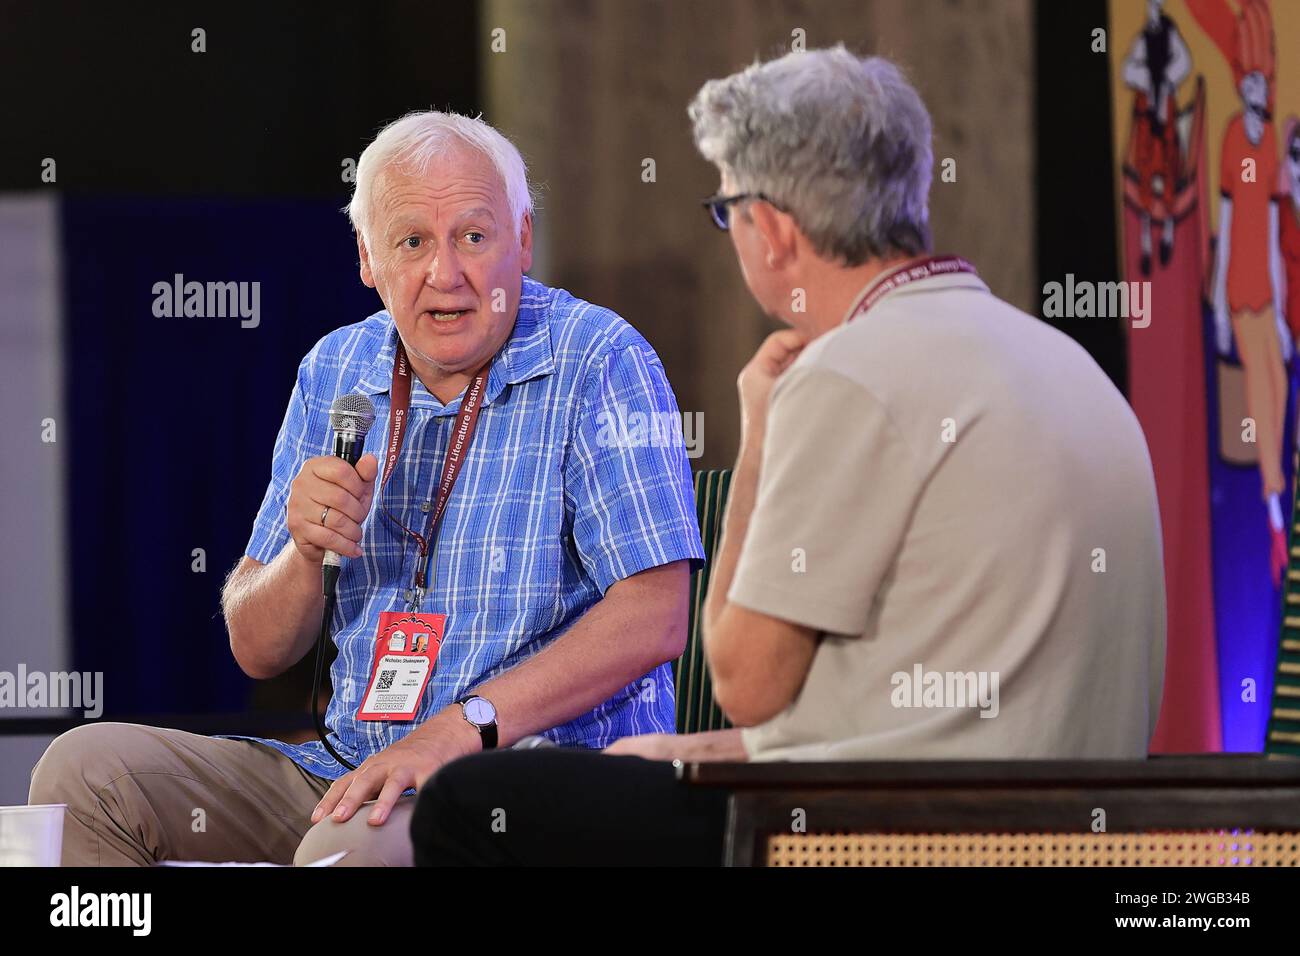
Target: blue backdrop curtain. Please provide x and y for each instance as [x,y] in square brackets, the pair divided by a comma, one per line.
[171,423]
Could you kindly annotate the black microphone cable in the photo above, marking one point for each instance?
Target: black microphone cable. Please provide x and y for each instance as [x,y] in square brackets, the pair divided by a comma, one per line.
[320,668]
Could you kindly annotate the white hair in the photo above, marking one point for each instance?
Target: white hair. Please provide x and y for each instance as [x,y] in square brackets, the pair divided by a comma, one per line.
[841,143]
[410,143]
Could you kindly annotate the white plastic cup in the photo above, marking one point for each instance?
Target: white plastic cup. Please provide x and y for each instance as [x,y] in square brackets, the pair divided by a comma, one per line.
[32,836]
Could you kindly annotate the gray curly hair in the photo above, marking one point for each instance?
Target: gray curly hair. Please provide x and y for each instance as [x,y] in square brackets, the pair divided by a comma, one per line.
[840,142]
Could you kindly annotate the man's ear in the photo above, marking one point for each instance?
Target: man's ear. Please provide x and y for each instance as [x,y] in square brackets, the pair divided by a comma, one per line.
[526,242]
[777,230]
[367,273]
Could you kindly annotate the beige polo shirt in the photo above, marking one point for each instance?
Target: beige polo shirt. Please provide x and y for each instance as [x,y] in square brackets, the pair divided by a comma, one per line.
[958,497]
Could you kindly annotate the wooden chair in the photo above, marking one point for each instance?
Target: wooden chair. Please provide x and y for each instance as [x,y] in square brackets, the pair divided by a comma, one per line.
[1215,810]
[1207,810]
[696,708]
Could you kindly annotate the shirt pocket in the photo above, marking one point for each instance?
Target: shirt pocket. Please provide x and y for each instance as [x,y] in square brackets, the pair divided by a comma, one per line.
[516,562]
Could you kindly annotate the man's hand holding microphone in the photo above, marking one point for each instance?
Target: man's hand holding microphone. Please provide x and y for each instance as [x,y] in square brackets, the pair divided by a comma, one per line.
[328,504]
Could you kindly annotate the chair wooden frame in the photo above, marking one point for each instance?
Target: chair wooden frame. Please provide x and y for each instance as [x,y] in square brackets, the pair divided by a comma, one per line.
[1049,803]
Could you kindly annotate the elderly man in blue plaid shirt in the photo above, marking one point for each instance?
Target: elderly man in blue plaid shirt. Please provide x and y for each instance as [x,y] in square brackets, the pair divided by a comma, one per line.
[561,562]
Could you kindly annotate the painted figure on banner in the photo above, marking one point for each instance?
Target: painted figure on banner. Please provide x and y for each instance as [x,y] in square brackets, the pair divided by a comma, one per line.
[1209,211]
[1157,64]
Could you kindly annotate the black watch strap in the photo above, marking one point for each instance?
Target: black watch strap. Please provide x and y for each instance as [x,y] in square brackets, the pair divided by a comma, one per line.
[487,732]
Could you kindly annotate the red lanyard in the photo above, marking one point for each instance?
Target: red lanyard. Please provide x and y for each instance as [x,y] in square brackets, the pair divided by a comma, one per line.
[896,278]
[398,413]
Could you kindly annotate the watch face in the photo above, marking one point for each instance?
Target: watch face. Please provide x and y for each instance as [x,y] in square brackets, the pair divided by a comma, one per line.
[479,711]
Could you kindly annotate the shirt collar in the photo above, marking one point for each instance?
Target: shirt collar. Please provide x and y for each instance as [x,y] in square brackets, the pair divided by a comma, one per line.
[526,354]
[949,280]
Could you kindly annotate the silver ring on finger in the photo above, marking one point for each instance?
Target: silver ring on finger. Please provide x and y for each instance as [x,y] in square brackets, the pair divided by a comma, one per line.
[323,516]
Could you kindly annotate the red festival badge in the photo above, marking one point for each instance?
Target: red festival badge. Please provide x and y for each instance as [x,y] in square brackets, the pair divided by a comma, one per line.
[406,649]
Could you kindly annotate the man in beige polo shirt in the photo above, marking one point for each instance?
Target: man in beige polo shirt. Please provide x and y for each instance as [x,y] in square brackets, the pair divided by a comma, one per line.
[942,538]
[955,515]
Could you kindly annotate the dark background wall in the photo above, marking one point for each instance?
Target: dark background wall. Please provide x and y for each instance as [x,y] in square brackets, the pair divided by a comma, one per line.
[283,93]
[1074,191]
[225,165]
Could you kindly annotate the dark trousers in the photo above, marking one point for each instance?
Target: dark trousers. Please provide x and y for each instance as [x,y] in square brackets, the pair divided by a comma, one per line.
[565,807]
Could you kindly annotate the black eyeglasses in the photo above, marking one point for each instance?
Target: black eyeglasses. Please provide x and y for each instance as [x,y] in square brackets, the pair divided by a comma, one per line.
[719,207]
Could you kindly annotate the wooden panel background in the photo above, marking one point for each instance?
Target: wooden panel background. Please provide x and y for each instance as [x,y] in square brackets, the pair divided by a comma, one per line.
[588,89]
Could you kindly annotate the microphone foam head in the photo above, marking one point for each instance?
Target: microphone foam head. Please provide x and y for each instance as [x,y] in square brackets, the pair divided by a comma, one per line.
[352,413]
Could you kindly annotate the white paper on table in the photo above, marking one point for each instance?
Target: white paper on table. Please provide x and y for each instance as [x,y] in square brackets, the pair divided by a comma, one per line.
[324,861]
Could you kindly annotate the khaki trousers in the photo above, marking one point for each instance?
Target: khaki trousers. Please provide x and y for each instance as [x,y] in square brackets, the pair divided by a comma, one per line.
[138,795]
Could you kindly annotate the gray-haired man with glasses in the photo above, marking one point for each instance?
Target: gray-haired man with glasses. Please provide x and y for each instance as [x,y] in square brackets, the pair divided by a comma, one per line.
[942,537]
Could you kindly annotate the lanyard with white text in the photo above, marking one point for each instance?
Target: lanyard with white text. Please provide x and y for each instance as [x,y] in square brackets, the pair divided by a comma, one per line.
[466,419]
[910,272]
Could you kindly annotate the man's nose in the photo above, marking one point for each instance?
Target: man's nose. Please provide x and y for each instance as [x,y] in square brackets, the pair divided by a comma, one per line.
[445,271]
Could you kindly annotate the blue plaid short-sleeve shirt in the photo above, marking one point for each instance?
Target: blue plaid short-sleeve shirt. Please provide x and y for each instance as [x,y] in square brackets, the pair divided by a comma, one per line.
[557,500]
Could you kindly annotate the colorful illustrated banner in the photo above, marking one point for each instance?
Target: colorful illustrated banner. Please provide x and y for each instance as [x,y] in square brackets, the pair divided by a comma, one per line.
[1207,150]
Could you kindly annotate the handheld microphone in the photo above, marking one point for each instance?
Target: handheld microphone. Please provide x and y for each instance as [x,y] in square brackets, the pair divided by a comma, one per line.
[351,417]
